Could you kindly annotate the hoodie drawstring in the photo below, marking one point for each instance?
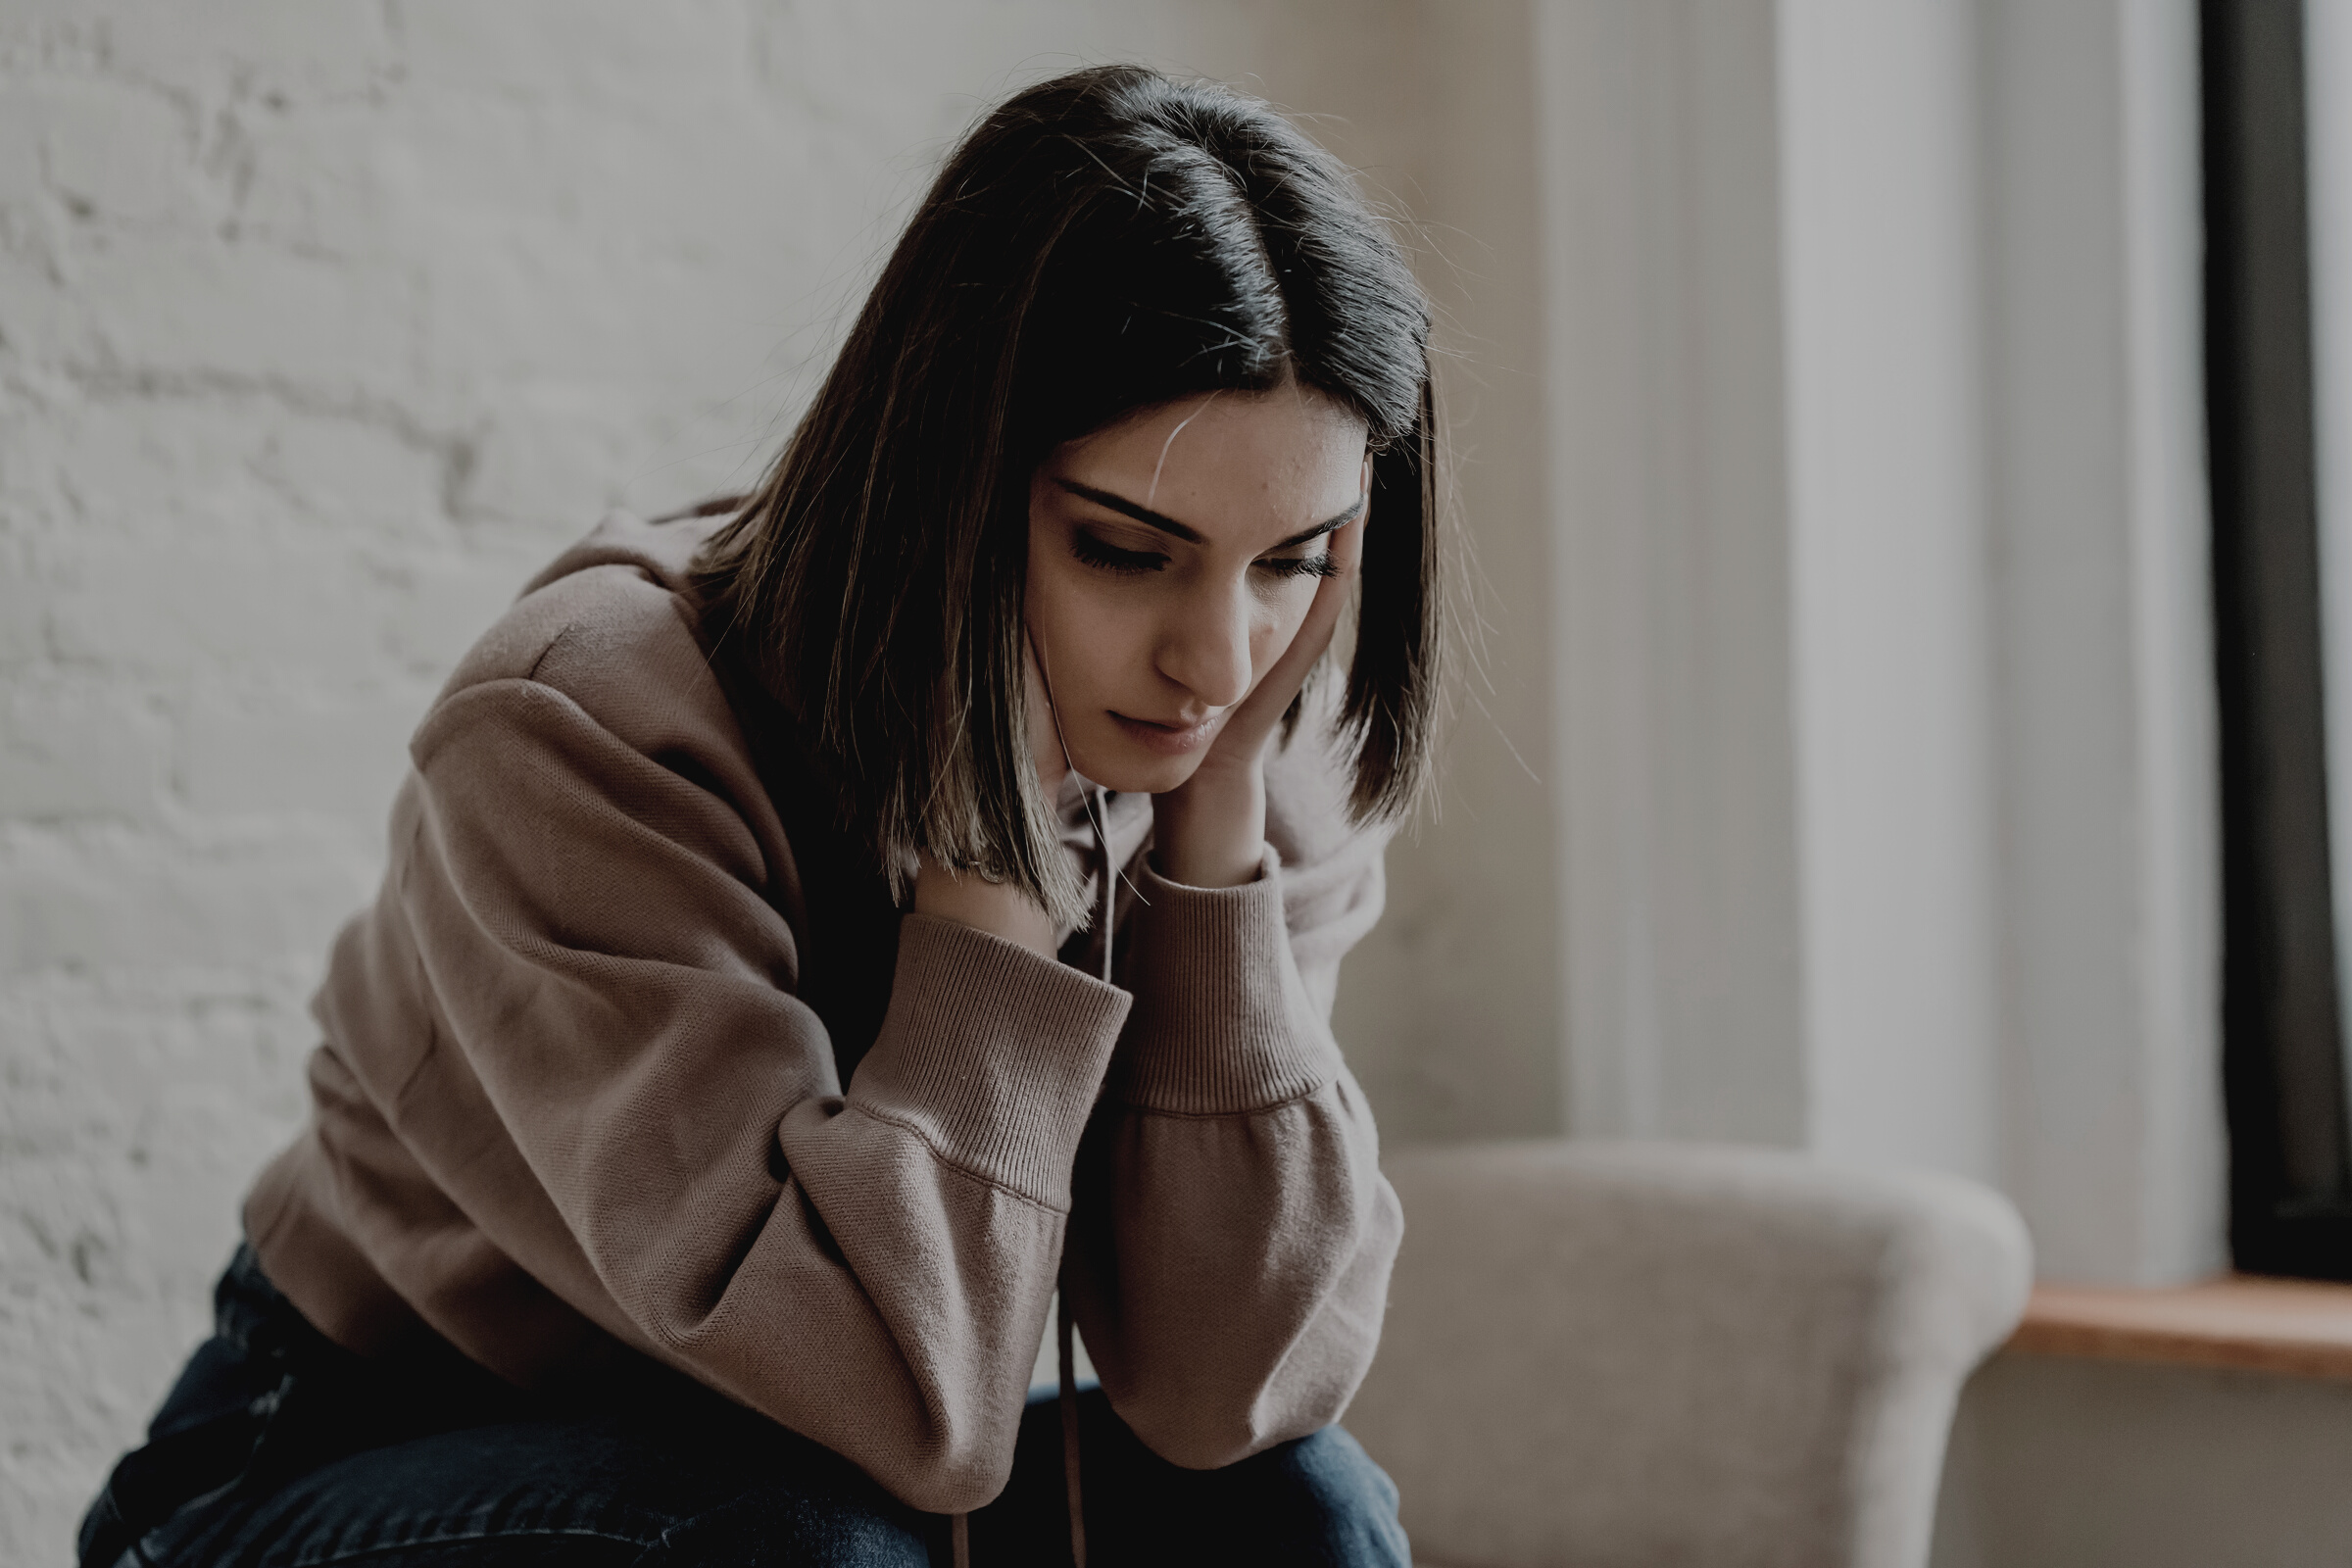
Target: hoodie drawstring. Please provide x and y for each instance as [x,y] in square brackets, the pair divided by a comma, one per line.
[1066,1361]
[1063,1350]
[1069,1428]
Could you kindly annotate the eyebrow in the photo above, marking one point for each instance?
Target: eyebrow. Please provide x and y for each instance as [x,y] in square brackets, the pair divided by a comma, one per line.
[1167,524]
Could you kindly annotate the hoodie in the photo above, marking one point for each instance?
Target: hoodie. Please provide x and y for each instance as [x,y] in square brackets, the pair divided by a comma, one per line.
[633,1055]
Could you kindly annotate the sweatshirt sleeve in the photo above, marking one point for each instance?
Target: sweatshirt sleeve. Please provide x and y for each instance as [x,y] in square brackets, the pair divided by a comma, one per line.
[872,1269]
[1234,1234]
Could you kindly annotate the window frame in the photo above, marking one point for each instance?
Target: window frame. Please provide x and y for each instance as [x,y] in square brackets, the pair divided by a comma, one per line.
[2283,1074]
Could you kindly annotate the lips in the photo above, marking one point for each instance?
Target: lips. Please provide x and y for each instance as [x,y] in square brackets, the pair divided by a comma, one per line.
[1168,740]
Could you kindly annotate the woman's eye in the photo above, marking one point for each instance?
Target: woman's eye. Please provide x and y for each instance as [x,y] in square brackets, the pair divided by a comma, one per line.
[1319,564]
[1111,558]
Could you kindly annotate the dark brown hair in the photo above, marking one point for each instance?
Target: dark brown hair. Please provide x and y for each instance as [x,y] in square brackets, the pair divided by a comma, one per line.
[1100,243]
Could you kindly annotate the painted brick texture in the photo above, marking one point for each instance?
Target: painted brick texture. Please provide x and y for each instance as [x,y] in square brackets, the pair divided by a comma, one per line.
[321,325]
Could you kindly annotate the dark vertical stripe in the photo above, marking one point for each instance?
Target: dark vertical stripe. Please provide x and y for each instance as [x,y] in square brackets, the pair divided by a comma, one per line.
[2283,1041]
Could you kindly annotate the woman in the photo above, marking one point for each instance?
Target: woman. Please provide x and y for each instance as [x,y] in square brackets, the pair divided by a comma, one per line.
[719,1087]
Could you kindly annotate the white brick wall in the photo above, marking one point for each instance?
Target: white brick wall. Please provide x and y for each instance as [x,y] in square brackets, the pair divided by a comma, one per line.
[321,325]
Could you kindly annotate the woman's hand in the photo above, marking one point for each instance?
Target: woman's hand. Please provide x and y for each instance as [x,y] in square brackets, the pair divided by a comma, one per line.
[1210,831]
[999,907]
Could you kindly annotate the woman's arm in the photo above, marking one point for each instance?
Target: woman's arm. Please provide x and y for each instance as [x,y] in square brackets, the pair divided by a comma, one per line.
[647,1116]
[1232,1235]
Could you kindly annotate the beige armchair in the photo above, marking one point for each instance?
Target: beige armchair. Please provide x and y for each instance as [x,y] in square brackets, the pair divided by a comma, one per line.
[1672,1355]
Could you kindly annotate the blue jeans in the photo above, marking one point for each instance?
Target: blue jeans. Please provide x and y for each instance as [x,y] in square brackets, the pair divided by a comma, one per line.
[277,1447]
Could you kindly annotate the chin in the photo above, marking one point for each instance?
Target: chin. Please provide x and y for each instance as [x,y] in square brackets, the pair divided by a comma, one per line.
[1134,775]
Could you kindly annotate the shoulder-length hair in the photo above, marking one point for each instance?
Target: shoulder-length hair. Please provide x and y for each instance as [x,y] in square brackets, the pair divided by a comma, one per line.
[1101,243]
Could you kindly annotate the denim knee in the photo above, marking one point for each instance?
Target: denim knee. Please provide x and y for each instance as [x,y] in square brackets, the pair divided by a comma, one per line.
[1321,1499]
[788,1525]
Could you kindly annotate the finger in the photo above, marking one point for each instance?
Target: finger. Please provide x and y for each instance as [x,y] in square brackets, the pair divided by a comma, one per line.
[1331,601]
[1348,542]
[1288,674]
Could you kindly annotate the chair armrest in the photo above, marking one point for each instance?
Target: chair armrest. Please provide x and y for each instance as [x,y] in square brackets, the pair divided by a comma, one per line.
[1619,1354]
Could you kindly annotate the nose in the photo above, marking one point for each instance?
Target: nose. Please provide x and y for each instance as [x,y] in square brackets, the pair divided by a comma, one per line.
[1204,646]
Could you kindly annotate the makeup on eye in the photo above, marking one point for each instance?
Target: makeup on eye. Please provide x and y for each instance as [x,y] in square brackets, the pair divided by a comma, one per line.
[1089,545]
[1318,565]
[1100,553]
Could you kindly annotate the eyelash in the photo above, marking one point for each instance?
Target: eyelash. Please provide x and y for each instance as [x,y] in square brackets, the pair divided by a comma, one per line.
[1130,562]
[1109,558]
[1320,565]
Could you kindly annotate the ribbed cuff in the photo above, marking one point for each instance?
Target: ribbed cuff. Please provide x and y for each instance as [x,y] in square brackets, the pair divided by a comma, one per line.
[1222,1023]
[993,1052]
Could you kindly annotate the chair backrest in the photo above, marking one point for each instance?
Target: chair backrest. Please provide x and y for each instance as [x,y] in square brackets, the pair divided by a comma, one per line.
[1620,1355]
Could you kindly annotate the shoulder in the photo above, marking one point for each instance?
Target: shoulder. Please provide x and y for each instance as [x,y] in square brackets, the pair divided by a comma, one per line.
[611,629]
[591,700]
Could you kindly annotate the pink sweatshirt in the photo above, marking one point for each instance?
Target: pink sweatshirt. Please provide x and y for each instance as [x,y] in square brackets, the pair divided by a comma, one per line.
[582,1088]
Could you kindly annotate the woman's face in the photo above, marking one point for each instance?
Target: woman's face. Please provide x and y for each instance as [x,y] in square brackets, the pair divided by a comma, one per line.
[1171,559]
